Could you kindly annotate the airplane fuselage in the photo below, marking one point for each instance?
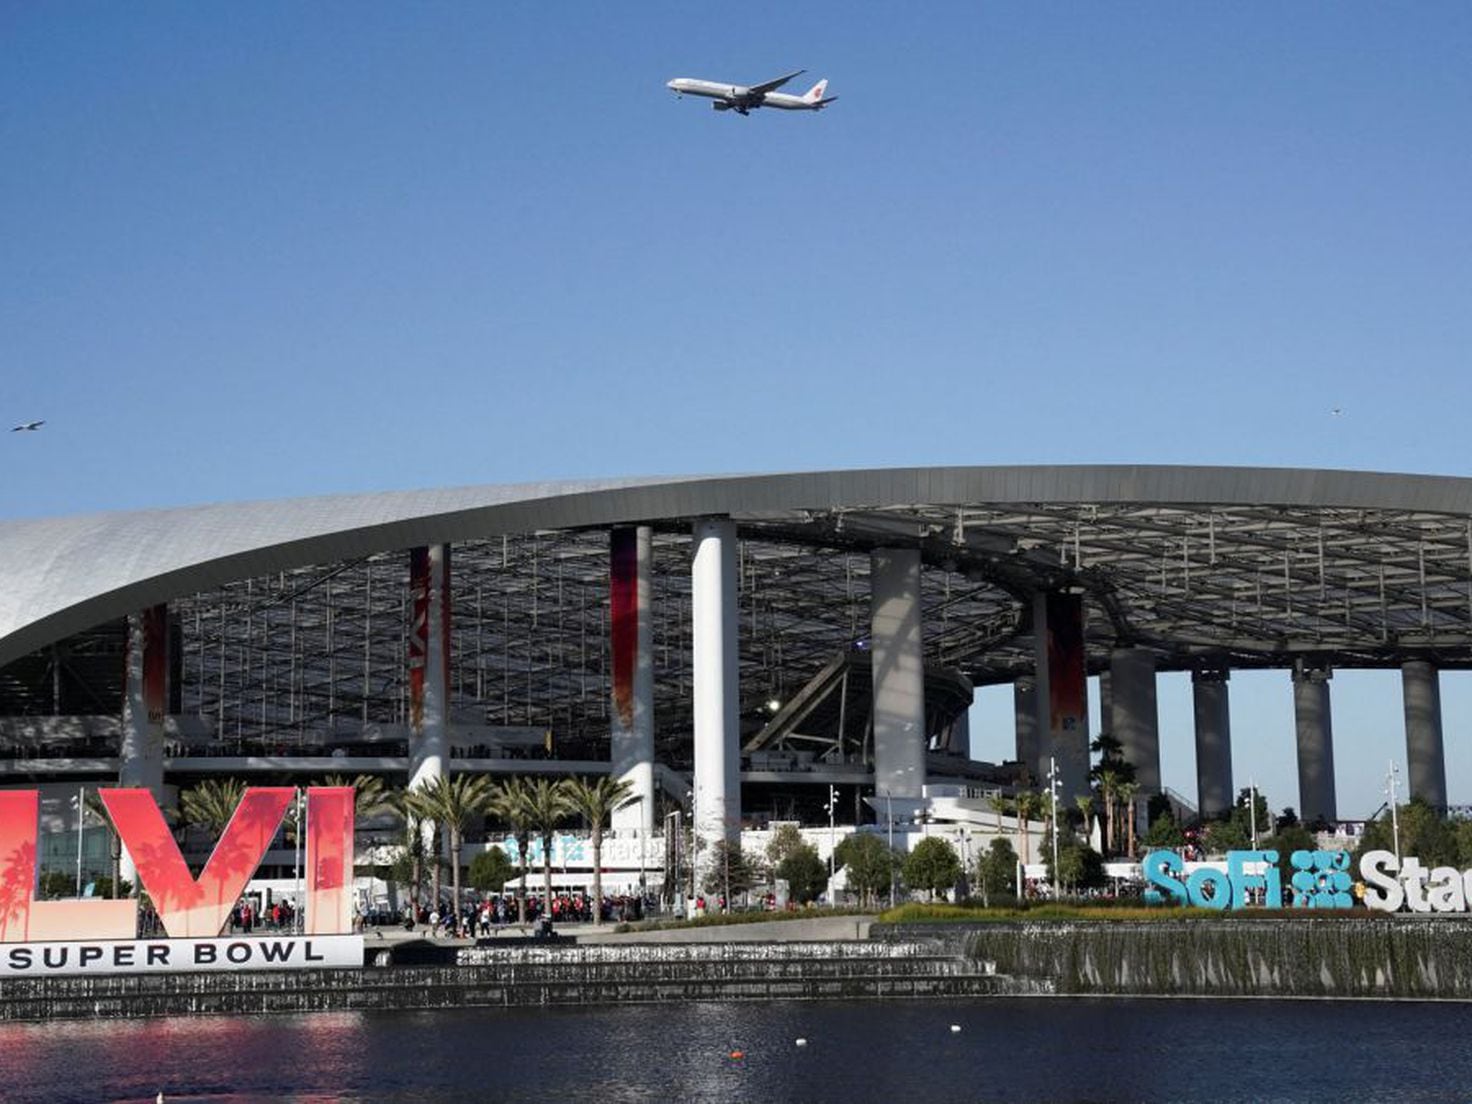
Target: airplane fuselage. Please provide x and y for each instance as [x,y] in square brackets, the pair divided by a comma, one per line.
[738,97]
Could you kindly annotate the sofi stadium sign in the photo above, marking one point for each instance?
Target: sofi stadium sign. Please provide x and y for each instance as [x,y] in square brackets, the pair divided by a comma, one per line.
[98,936]
[1320,879]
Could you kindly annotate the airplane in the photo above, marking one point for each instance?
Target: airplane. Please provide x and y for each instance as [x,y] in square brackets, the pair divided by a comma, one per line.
[25,427]
[743,99]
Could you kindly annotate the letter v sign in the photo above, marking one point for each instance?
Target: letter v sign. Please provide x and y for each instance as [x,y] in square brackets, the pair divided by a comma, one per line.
[190,908]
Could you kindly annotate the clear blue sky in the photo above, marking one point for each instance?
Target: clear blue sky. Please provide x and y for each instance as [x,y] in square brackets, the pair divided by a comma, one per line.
[281,249]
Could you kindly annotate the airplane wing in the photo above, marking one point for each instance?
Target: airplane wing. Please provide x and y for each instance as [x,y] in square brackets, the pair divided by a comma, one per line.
[773,85]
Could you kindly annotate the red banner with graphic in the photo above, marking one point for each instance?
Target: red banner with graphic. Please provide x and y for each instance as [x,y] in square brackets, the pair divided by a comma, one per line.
[1068,700]
[623,617]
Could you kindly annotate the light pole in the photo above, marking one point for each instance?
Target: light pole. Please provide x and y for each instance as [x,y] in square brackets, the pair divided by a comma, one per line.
[1252,809]
[81,829]
[1053,785]
[889,815]
[1390,781]
[832,843]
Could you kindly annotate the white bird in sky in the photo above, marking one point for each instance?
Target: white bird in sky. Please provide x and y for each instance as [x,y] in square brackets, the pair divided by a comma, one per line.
[28,426]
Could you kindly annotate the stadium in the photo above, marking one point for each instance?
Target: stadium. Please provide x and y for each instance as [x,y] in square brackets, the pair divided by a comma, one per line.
[743,649]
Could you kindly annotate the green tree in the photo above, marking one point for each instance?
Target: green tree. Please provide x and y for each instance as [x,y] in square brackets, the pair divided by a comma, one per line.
[1222,836]
[408,867]
[785,840]
[730,871]
[597,801]
[1423,833]
[1164,832]
[490,870]
[996,870]
[869,862]
[1079,867]
[803,871]
[452,801]
[933,865]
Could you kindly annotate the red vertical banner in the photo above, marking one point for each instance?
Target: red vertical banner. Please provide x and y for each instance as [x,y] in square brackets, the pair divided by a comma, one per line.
[418,633]
[155,663]
[330,860]
[1068,700]
[623,619]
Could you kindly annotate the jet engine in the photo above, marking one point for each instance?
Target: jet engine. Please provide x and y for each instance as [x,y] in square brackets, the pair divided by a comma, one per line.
[721,105]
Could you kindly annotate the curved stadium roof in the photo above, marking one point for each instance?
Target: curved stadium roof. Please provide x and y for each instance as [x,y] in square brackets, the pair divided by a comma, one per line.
[1206,566]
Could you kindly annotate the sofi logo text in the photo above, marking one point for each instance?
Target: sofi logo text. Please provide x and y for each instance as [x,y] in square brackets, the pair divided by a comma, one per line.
[188,907]
[1320,879]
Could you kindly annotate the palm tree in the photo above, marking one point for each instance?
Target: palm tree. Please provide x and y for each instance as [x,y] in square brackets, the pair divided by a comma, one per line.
[212,803]
[511,802]
[1085,805]
[1127,793]
[453,801]
[1027,804]
[1109,783]
[370,796]
[597,801]
[548,807]
[404,804]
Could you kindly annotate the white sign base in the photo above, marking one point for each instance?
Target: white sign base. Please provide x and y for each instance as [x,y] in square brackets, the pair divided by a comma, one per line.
[170,956]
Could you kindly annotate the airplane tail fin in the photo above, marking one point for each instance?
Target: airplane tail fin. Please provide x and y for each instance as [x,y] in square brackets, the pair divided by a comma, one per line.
[815,93]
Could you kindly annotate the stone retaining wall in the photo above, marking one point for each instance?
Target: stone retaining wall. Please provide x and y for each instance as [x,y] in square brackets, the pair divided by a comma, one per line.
[508,977]
[1319,957]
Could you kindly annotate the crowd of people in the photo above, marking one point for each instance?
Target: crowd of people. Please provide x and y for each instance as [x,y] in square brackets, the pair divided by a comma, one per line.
[485,917]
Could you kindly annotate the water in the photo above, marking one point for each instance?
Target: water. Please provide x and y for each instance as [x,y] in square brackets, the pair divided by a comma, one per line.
[1007,1050]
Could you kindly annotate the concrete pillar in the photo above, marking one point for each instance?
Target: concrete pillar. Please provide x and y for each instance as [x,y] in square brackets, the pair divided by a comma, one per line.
[1025,708]
[717,719]
[631,737]
[145,694]
[1316,795]
[1425,759]
[958,742]
[1062,691]
[429,664]
[1214,791]
[1133,719]
[899,672]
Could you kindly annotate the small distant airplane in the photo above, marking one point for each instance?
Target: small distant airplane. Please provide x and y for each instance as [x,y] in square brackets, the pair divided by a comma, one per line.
[28,427]
[743,99]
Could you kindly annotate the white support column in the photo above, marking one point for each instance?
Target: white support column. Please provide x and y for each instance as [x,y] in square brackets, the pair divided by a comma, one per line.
[899,672]
[631,743]
[428,751]
[1316,794]
[1425,757]
[1213,742]
[1133,718]
[717,705]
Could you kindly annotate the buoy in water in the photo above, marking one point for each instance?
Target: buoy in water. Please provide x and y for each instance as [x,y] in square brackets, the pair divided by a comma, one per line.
[738,1054]
[955,1028]
[802,1042]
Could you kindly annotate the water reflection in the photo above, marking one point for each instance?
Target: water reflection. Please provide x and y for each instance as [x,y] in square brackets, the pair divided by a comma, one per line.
[1006,1050]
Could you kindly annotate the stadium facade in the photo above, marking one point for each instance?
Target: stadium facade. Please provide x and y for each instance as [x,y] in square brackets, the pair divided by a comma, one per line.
[728,644]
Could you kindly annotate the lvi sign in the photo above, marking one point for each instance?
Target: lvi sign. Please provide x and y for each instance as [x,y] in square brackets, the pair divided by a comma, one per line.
[70,936]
